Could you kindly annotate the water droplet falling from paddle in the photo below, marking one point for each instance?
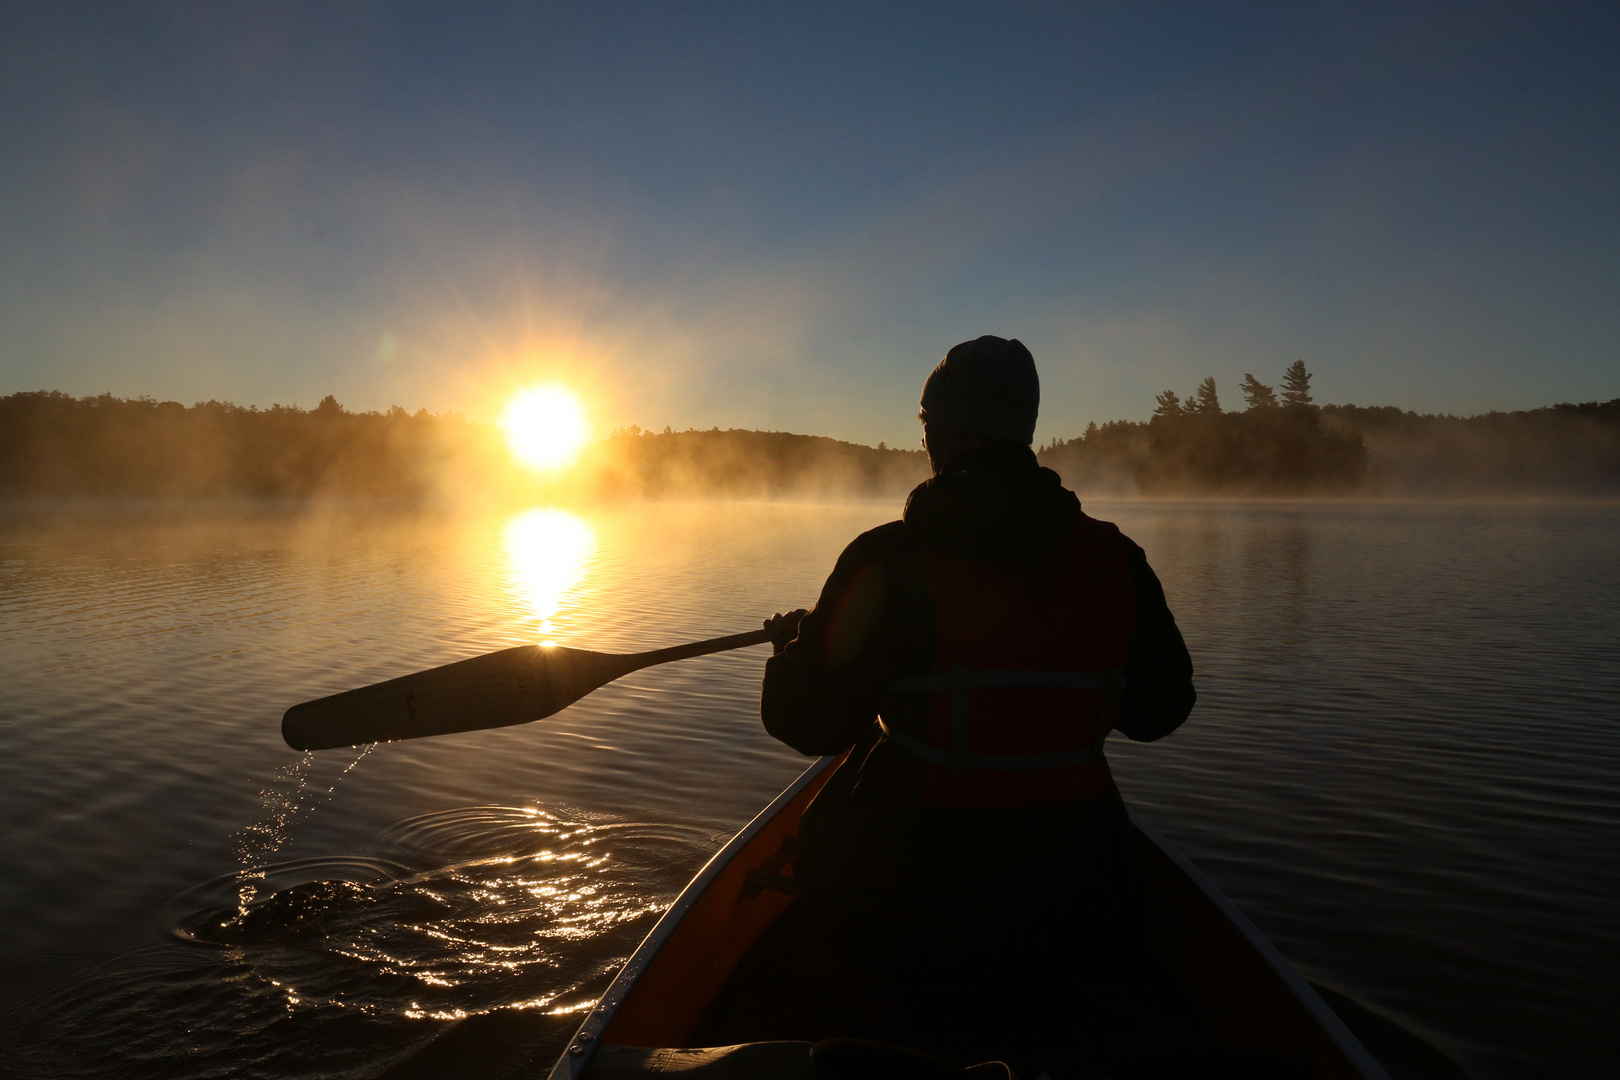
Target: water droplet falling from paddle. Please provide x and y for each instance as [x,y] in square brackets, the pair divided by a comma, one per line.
[288,796]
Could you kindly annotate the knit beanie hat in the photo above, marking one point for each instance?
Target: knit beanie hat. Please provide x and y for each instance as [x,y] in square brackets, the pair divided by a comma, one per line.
[985,387]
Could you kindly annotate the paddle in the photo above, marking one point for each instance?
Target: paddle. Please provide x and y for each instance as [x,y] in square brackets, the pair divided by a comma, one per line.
[513,686]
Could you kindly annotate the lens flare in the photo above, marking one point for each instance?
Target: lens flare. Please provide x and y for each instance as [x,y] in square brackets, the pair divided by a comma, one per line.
[545,427]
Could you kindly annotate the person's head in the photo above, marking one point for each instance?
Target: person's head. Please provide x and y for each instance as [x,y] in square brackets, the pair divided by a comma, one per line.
[985,391]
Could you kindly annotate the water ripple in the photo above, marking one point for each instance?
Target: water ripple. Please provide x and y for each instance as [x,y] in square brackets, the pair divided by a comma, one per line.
[480,908]
[1402,766]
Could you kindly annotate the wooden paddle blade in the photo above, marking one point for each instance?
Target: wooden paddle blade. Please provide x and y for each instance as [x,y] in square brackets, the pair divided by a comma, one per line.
[513,686]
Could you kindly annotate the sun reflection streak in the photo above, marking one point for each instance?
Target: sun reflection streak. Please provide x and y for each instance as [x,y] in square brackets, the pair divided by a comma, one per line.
[549,550]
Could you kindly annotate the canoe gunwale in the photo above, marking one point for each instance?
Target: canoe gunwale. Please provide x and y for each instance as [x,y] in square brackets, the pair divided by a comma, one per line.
[1325,1017]
[576,1056]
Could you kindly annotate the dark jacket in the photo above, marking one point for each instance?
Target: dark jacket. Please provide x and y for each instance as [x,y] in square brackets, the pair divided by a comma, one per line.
[869,846]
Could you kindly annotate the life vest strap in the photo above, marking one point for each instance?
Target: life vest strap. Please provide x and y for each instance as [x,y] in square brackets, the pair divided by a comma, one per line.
[960,679]
[953,680]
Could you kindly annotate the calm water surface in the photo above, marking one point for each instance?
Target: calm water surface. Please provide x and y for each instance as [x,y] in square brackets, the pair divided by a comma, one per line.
[1403,766]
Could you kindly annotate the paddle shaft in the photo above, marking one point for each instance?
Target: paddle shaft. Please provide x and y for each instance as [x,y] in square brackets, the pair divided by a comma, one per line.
[499,689]
[699,648]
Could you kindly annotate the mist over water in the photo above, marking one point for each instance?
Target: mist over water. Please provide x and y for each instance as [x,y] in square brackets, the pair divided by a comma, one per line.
[1401,766]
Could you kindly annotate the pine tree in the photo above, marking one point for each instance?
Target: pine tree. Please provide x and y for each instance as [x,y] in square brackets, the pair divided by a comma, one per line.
[1257,393]
[1205,402]
[1169,405]
[1297,384]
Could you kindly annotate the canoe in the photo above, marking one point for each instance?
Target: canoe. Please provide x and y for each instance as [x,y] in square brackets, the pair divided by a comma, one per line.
[657,1015]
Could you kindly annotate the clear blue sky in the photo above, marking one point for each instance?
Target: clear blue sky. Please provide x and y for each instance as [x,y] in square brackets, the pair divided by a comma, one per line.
[780,216]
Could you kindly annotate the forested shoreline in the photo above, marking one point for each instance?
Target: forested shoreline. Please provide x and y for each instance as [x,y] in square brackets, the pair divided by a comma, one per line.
[1284,444]
[55,445]
[52,444]
[1279,445]
[739,463]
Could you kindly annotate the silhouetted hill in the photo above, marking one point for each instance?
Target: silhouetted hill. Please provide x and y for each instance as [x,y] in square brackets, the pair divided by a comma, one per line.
[1558,450]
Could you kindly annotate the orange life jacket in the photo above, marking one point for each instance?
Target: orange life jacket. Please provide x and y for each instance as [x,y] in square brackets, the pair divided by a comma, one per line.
[1028,672]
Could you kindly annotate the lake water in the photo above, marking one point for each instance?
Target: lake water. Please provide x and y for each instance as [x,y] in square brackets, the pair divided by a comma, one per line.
[1403,765]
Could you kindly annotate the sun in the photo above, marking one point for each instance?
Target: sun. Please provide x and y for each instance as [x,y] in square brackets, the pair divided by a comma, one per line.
[545,426]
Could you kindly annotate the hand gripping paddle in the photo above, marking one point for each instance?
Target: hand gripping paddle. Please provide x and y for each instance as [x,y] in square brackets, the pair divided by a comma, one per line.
[513,686]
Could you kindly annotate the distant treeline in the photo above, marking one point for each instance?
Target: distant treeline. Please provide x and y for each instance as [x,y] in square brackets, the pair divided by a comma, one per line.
[1557,450]
[1285,444]
[54,444]
[745,464]
[1281,444]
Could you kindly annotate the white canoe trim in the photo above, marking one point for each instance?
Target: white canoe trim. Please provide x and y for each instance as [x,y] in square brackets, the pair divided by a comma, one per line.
[1329,1020]
[577,1055]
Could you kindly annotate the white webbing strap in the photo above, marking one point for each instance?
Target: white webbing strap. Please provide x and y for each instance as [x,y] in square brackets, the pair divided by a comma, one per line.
[1070,680]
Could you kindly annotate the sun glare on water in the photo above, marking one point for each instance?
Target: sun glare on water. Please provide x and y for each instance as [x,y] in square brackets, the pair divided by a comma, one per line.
[549,551]
[545,427]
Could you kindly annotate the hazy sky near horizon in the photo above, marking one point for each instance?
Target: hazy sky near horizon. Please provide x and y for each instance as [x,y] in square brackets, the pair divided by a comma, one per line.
[781,215]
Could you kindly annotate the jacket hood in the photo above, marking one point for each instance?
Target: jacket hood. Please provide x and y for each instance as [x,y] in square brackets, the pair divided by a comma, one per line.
[995,504]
